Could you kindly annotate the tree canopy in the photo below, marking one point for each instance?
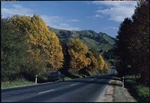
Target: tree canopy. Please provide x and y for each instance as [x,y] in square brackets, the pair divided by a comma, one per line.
[44,52]
[78,51]
[132,46]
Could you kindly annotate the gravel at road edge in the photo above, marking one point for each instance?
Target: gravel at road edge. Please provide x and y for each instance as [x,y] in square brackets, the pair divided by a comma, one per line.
[116,93]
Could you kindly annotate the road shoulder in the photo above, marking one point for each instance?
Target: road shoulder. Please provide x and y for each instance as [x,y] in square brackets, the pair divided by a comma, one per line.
[114,92]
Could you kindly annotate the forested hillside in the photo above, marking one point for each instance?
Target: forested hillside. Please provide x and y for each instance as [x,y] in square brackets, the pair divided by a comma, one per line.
[99,41]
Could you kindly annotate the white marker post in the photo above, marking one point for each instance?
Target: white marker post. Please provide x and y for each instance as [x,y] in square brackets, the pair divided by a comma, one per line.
[36,79]
[123,82]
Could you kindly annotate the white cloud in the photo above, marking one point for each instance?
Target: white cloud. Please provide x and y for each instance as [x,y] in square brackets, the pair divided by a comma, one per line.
[111,28]
[65,26]
[57,22]
[17,9]
[98,16]
[94,16]
[116,10]
[73,20]
[53,21]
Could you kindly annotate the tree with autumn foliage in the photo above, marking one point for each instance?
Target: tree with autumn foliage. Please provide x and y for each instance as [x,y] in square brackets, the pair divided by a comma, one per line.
[106,67]
[77,51]
[97,61]
[44,49]
[101,62]
[94,63]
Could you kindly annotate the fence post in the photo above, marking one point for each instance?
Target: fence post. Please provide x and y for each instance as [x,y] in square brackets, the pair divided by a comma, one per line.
[36,79]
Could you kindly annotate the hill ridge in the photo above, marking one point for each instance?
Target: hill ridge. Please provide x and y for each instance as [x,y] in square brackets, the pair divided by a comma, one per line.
[102,42]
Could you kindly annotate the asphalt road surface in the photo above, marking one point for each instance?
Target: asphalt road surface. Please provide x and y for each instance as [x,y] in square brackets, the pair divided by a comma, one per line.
[86,89]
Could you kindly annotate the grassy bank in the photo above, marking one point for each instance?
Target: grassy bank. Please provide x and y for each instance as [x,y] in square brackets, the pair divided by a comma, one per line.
[20,82]
[139,91]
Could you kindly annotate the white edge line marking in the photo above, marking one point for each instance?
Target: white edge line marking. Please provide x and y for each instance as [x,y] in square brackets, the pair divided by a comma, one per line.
[46,91]
[99,99]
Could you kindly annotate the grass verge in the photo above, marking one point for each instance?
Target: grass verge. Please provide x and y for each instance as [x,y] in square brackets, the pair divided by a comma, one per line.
[139,91]
[20,82]
[67,78]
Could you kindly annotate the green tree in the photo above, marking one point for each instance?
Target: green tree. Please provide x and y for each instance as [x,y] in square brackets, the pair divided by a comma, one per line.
[122,47]
[13,51]
[66,62]
[132,47]
[140,43]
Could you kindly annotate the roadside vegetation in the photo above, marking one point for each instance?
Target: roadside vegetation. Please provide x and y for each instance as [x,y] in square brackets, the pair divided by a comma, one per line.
[138,90]
[132,52]
[20,82]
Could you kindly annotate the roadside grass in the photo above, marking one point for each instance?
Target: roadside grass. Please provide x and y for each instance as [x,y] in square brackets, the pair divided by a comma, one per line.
[23,81]
[139,91]
[67,78]
[78,75]
[20,82]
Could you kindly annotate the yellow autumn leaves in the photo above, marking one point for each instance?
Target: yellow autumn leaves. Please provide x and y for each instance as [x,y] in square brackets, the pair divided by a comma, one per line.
[78,51]
[43,45]
[81,57]
[44,52]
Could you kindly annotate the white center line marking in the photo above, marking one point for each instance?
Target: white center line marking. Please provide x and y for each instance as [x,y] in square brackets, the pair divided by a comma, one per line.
[73,84]
[46,91]
[93,79]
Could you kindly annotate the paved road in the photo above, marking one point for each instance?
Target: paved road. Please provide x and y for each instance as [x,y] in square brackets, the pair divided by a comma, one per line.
[79,90]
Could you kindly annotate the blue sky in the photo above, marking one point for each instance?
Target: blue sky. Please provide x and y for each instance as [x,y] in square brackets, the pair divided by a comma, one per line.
[100,16]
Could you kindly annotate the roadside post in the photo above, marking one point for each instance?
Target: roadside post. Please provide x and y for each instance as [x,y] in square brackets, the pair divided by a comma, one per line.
[123,82]
[36,79]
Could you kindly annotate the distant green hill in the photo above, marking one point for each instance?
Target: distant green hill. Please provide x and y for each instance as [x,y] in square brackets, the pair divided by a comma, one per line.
[100,41]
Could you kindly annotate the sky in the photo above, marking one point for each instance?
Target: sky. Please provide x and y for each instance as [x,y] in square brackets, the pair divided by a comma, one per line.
[99,16]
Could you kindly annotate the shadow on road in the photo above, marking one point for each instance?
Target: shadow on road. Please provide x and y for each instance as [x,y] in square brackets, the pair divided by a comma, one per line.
[104,80]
